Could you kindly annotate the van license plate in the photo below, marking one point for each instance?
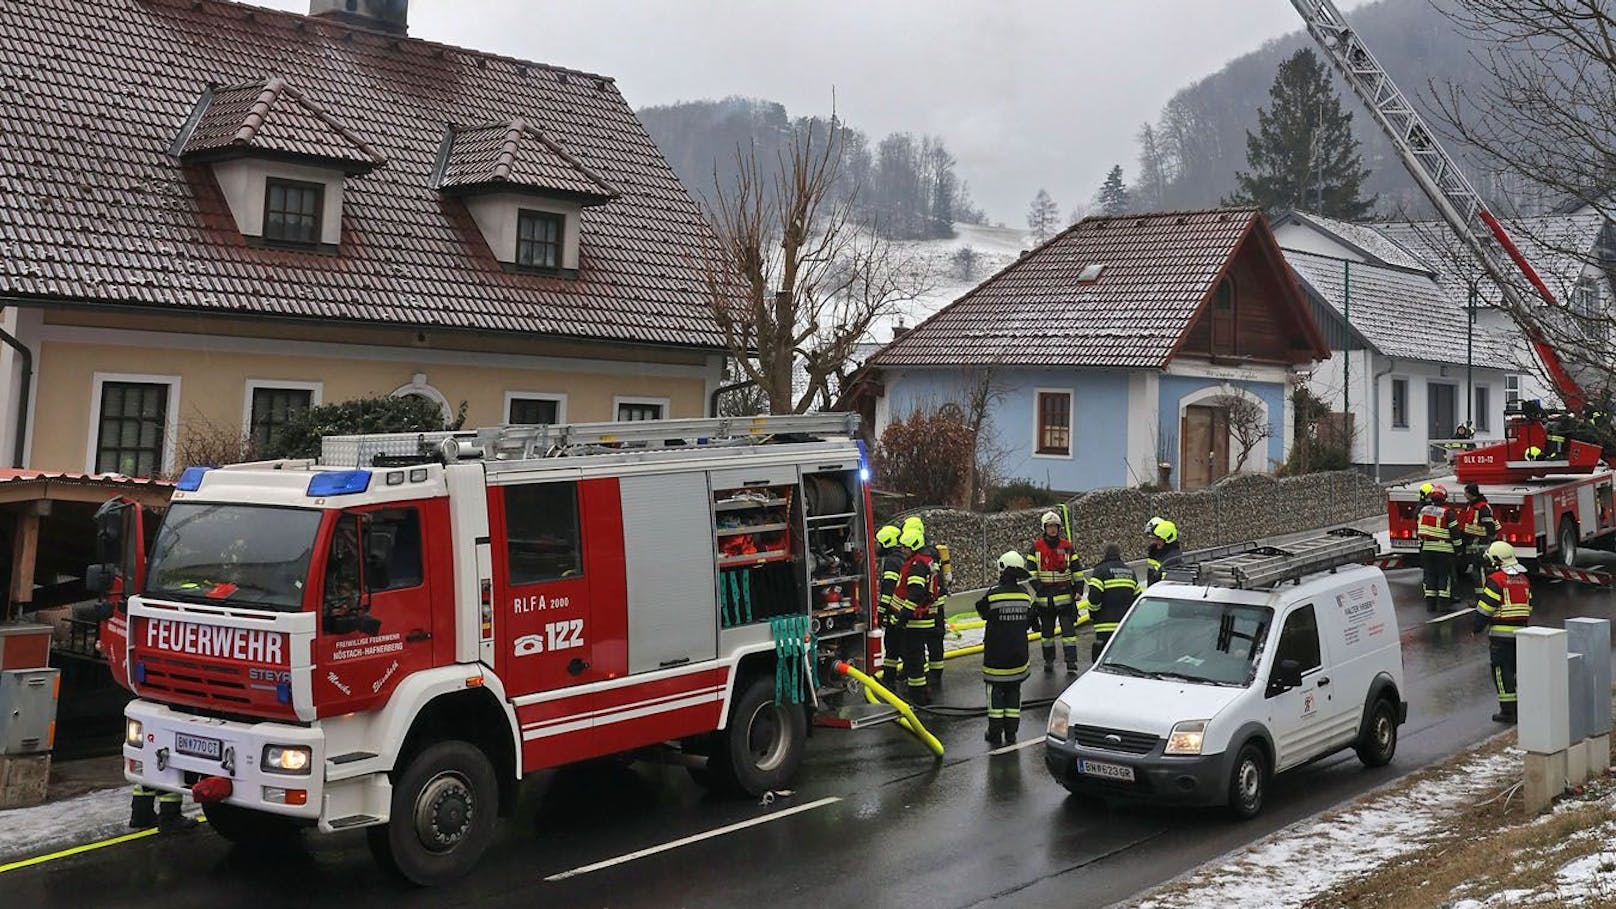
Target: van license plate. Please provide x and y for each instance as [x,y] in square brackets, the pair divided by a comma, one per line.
[197,746]
[1108,771]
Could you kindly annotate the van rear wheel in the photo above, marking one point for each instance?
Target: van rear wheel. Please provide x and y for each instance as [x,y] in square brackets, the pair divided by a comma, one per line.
[1378,743]
[1248,782]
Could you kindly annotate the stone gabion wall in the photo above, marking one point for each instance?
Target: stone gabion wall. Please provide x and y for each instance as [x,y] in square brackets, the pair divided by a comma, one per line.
[1235,510]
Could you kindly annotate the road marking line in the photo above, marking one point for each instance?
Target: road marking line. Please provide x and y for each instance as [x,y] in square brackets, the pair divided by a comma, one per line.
[1016,747]
[696,838]
[87,847]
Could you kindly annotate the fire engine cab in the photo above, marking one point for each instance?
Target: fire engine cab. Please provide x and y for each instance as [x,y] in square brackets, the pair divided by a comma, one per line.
[391,637]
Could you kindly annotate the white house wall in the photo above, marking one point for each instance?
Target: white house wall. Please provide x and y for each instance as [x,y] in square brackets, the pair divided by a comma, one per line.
[1306,238]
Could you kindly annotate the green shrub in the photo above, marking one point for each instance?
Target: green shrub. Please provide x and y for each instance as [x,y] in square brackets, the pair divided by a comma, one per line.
[300,436]
[1017,495]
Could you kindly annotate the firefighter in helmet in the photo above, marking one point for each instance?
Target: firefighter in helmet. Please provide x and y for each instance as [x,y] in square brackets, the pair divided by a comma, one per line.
[1163,551]
[1439,535]
[939,588]
[1054,570]
[1006,609]
[889,568]
[914,598]
[1505,607]
[1480,530]
[1112,588]
[1425,493]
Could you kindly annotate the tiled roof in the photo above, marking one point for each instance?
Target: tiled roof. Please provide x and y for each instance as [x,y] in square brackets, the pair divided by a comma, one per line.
[272,116]
[1366,240]
[1400,313]
[1558,246]
[1159,268]
[516,155]
[94,209]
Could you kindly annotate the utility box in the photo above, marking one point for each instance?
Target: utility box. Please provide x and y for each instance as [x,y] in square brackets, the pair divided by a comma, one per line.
[28,710]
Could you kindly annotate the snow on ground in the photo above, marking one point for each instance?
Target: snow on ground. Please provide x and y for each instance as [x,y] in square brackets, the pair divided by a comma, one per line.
[27,832]
[995,247]
[1311,856]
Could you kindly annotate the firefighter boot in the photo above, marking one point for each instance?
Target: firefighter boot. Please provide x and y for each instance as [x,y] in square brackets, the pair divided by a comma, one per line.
[934,680]
[1070,652]
[143,809]
[1505,714]
[1048,648]
[1012,727]
[169,818]
[995,735]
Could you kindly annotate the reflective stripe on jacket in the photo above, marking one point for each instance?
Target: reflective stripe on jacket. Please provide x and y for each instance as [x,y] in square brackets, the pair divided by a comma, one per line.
[1479,522]
[1506,601]
[1007,610]
[1438,528]
[1051,563]
[1160,557]
[1112,588]
[913,597]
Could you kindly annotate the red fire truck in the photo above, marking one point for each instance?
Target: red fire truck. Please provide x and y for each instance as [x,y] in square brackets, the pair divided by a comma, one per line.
[1550,498]
[392,637]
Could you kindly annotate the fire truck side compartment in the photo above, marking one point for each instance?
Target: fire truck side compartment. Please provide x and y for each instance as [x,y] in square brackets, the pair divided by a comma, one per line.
[671,614]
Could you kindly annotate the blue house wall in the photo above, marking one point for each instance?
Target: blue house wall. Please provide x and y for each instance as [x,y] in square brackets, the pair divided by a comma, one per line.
[1174,389]
[1099,421]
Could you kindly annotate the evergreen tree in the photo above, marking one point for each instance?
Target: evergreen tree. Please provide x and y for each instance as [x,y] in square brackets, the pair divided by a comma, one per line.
[1303,154]
[1113,199]
[1043,216]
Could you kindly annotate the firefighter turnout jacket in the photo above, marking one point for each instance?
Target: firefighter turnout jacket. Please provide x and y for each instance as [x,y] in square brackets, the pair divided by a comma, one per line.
[1438,528]
[1160,557]
[915,593]
[939,587]
[1051,563]
[1007,610]
[1505,605]
[1480,527]
[1112,588]
[890,566]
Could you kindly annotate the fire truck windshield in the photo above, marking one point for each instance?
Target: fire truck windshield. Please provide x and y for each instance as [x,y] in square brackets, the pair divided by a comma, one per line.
[240,555]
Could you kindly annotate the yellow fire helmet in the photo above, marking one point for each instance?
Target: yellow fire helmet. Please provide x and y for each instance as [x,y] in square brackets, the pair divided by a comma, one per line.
[914,521]
[887,536]
[912,537]
[1501,555]
[1166,531]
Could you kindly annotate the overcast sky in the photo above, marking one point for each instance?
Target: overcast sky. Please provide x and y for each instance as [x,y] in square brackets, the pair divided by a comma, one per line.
[1027,93]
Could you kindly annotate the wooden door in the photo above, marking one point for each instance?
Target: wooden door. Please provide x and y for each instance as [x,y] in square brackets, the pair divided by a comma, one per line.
[1204,454]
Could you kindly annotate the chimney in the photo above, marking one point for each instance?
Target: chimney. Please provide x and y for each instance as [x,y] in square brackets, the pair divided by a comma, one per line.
[381,15]
[899,330]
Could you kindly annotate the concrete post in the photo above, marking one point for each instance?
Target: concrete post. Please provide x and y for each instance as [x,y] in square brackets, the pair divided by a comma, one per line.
[1591,638]
[1580,706]
[1544,711]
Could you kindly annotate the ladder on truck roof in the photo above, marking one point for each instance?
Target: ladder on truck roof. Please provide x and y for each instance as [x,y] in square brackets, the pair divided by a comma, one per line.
[525,442]
[1260,567]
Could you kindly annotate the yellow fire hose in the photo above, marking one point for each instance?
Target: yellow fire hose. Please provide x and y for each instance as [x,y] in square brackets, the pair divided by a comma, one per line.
[909,721]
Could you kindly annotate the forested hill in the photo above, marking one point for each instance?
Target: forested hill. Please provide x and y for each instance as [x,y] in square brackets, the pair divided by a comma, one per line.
[1202,131]
[907,186]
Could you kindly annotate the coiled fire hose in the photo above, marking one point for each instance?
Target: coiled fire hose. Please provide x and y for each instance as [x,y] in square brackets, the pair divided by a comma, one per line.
[874,689]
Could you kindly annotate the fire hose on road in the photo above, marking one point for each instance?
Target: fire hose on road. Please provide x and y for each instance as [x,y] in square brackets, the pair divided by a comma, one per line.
[910,722]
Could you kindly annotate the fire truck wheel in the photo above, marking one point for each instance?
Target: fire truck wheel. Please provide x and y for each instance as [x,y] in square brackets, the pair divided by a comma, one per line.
[246,827]
[445,804]
[1567,540]
[763,745]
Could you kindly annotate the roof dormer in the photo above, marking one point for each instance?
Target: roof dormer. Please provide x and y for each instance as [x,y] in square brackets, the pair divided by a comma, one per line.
[279,159]
[524,190]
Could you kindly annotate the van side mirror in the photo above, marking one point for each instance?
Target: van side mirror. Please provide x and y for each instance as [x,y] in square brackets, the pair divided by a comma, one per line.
[1287,675]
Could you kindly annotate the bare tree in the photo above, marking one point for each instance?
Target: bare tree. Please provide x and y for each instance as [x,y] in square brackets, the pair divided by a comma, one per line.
[1043,216]
[1249,426]
[966,261]
[1542,110]
[793,282]
[983,390]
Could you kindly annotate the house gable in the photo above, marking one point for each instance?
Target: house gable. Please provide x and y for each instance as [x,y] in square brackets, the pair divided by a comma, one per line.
[1254,312]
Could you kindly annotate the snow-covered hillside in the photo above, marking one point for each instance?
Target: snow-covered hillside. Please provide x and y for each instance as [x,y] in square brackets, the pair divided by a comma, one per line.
[995,247]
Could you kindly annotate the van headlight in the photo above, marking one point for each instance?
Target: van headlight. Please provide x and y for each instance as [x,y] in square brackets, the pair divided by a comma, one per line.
[1060,715]
[1186,737]
[287,758]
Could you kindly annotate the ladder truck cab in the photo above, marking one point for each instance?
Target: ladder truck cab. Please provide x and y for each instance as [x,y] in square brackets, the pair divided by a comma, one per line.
[1550,495]
[1247,662]
[393,637]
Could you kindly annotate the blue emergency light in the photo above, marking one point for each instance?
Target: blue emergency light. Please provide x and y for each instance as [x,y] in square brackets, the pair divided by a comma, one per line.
[339,482]
[191,479]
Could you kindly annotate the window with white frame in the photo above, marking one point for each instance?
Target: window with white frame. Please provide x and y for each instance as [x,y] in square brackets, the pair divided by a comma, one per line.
[1512,391]
[641,408]
[524,408]
[271,408]
[133,428]
[1400,403]
[1054,426]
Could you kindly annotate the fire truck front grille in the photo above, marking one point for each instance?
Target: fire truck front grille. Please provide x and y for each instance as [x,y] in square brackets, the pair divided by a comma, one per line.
[191,679]
[1114,739]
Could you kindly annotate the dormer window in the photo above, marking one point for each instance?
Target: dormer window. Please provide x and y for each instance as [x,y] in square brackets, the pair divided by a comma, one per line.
[279,159]
[538,238]
[526,193]
[292,211]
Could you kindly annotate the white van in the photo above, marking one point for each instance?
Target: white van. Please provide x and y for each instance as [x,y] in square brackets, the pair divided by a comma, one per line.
[1263,662]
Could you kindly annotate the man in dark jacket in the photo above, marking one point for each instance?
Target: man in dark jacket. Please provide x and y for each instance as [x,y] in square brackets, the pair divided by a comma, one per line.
[1112,588]
[1007,610]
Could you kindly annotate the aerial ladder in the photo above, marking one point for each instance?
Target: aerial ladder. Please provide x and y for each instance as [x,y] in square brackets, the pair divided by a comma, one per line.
[1482,235]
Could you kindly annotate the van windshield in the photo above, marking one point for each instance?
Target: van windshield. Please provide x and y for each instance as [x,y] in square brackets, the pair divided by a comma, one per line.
[1189,640]
[236,555]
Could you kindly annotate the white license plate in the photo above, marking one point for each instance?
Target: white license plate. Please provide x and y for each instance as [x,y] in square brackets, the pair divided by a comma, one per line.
[1108,771]
[197,746]
[1405,544]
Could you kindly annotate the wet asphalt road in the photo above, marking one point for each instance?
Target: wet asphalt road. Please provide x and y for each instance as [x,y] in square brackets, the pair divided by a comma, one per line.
[972,830]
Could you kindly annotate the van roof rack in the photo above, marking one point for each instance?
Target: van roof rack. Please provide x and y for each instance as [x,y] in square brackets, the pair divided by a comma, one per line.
[1259,567]
[524,442]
